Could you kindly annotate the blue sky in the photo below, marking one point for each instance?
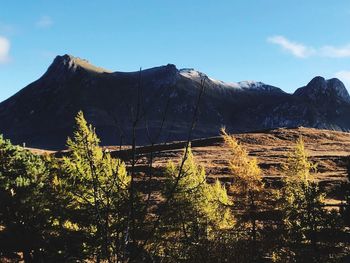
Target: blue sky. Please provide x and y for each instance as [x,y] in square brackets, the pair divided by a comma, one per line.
[282,43]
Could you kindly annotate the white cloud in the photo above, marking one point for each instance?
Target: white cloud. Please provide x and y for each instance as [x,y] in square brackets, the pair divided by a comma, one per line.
[344,76]
[4,50]
[44,22]
[335,52]
[303,51]
[297,49]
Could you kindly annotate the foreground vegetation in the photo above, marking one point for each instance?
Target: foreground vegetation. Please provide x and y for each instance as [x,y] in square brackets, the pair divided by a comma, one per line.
[88,206]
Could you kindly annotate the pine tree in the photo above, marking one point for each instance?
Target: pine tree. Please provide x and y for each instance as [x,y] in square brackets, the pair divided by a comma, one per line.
[96,186]
[24,209]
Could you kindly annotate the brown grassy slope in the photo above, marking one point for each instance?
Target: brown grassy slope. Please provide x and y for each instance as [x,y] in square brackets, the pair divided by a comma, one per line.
[326,148]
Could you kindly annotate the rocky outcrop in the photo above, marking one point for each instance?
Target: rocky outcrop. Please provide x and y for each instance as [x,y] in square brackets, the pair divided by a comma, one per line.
[319,90]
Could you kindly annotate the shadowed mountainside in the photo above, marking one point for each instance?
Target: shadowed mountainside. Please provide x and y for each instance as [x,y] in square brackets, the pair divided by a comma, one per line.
[42,114]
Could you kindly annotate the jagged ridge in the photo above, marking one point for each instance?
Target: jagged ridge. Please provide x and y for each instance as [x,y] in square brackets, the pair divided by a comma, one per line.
[320,89]
[42,114]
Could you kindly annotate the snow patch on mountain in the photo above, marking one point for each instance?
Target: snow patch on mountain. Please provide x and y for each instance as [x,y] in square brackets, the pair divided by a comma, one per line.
[242,85]
[250,84]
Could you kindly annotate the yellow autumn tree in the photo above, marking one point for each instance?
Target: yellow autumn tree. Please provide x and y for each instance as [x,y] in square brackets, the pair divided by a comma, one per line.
[247,183]
[196,210]
[301,197]
[298,167]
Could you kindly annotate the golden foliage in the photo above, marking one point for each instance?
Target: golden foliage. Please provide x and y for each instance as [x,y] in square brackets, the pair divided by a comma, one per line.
[298,167]
[301,197]
[209,203]
[247,175]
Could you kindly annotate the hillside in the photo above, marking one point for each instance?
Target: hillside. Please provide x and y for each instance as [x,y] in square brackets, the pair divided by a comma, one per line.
[326,148]
[42,114]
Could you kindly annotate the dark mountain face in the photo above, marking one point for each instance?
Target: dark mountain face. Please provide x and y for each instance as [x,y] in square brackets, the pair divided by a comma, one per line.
[319,90]
[42,114]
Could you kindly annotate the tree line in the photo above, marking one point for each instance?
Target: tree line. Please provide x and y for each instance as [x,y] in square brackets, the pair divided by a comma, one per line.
[89,207]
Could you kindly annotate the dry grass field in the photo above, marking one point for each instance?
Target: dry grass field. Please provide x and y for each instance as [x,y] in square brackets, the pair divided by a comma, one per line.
[327,149]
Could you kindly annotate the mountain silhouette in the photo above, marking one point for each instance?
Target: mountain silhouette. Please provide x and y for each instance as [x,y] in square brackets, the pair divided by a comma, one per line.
[42,114]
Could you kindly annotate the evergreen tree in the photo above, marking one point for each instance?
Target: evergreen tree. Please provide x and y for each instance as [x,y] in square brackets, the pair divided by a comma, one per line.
[95,187]
[25,218]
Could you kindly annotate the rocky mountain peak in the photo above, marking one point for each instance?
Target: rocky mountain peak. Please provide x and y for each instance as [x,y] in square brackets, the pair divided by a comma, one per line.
[318,81]
[193,74]
[70,64]
[338,89]
[42,114]
[320,89]
[166,69]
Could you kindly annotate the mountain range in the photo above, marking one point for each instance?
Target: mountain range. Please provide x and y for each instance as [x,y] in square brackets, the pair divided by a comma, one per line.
[160,104]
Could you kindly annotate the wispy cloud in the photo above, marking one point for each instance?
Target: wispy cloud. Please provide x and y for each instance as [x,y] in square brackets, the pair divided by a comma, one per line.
[44,22]
[335,52]
[303,51]
[344,75]
[4,50]
[297,49]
